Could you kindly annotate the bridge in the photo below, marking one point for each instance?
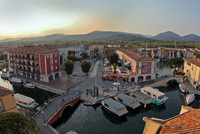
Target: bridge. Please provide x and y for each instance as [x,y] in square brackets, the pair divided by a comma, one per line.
[163,80]
[48,114]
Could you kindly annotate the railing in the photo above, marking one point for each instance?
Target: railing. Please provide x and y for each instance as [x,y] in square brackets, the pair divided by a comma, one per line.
[60,106]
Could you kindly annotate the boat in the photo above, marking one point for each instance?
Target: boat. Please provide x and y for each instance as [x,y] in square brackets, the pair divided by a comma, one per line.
[128,101]
[87,103]
[181,88]
[15,80]
[25,102]
[114,107]
[142,98]
[28,84]
[5,75]
[190,98]
[156,96]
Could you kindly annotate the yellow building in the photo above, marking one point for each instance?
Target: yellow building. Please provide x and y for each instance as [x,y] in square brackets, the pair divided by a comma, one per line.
[192,70]
[7,101]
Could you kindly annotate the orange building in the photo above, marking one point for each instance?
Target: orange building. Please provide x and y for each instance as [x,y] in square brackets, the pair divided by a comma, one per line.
[7,101]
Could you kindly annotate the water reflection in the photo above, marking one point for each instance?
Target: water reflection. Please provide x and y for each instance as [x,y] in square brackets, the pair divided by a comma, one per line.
[39,95]
[113,119]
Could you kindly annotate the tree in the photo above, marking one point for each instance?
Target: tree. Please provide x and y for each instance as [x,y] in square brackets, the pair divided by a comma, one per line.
[96,51]
[175,63]
[85,66]
[71,57]
[84,55]
[61,59]
[71,52]
[69,67]
[17,123]
[112,58]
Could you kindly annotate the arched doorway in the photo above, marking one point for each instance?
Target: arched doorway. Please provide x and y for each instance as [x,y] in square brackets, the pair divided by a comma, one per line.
[56,75]
[148,77]
[140,79]
[133,79]
[50,77]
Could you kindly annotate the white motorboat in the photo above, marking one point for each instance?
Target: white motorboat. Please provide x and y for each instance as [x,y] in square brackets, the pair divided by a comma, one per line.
[25,102]
[15,80]
[156,96]
[190,98]
[181,88]
[5,75]
[28,84]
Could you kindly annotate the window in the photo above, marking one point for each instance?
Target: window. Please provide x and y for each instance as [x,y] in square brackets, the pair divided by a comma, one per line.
[144,70]
[154,96]
[1,106]
[55,55]
[47,56]
[56,67]
[55,61]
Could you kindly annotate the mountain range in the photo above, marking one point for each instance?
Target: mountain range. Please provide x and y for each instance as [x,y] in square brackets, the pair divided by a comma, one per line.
[107,35]
[171,36]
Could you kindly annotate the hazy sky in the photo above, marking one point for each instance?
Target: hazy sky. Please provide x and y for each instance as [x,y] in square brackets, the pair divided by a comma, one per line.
[150,17]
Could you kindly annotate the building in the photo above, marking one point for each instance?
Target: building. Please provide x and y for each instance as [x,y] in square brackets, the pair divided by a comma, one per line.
[36,62]
[7,101]
[188,121]
[192,70]
[141,67]
[64,50]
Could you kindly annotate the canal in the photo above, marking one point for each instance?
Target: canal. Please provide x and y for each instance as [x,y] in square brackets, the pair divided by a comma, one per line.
[86,119]
[39,95]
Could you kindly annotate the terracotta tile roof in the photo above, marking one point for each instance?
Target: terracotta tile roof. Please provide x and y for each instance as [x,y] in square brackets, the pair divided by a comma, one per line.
[194,61]
[4,91]
[186,123]
[136,56]
[188,50]
[34,50]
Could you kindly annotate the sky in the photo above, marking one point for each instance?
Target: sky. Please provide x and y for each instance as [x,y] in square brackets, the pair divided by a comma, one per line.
[24,18]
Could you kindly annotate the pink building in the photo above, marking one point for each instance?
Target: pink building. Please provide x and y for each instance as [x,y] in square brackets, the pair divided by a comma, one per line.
[36,62]
[142,68]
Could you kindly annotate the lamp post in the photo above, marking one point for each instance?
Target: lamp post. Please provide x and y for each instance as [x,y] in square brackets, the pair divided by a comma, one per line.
[43,116]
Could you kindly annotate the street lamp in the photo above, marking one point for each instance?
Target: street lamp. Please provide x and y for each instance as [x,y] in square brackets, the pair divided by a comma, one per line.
[43,116]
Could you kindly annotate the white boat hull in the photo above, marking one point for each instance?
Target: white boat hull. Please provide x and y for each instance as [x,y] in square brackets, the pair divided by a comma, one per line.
[182,90]
[15,80]
[28,85]
[190,98]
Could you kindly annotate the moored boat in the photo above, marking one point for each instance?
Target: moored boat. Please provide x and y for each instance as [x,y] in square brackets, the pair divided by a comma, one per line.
[15,80]
[181,88]
[142,98]
[25,102]
[87,103]
[114,107]
[4,76]
[28,84]
[190,98]
[128,101]
[156,96]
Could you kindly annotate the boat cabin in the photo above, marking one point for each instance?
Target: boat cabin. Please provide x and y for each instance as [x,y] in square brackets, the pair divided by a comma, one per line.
[153,93]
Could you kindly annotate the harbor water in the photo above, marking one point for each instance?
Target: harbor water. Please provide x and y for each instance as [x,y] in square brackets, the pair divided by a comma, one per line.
[95,120]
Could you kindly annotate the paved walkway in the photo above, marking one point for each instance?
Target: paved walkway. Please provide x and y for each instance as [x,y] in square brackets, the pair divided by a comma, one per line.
[55,103]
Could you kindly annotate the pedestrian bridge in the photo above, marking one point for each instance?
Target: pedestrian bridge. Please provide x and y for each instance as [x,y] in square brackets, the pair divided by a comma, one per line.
[48,114]
[162,81]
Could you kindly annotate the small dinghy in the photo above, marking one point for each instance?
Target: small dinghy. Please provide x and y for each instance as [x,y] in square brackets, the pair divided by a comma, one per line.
[190,98]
